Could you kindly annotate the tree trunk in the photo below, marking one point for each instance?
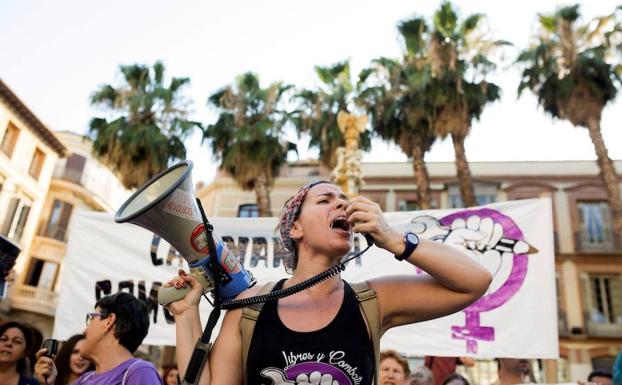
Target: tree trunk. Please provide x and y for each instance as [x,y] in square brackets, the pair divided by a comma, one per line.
[422,178]
[608,175]
[263,196]
[467,192]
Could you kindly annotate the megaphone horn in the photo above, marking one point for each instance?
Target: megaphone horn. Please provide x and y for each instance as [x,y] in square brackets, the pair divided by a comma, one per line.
[166,206]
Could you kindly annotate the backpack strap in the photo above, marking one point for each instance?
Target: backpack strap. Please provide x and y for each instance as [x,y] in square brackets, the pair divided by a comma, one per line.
[368,303]
[248,321]
[127,371]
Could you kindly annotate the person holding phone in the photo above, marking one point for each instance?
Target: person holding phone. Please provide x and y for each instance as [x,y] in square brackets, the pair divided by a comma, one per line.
[69,363]
[319,334]
[15,344]
[113,332]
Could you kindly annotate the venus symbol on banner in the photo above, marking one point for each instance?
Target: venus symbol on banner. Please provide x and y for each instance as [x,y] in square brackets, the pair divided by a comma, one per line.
[495,241]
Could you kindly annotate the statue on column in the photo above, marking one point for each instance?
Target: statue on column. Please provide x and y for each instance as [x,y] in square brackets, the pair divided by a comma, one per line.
[347,173]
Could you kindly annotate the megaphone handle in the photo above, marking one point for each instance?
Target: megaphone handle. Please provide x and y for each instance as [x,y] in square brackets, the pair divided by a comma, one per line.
[167,295]
[171,294]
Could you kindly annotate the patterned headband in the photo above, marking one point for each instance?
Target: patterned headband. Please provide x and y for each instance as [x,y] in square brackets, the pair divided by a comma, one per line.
[290,213]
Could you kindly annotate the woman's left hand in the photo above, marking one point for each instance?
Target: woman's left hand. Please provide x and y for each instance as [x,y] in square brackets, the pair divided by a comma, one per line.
[365,216]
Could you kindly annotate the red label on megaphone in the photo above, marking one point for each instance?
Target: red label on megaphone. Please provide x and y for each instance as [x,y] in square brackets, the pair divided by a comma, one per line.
[182,204]
[198,239]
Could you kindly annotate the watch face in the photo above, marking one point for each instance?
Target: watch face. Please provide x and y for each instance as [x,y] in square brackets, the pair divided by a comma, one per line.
[412,238]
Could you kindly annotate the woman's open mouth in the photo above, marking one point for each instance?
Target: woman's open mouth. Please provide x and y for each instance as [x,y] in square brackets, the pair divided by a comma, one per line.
[341,225]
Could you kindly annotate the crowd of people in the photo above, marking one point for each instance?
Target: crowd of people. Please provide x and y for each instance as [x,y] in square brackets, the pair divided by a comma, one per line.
[102,354]
[395,370]
[316,228]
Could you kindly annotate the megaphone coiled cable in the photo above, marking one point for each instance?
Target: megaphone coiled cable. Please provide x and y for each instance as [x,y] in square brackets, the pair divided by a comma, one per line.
[282,293]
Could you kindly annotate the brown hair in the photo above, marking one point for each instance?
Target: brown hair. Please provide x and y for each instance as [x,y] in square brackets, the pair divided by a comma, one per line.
[390,353]
[167,370]
[22,363]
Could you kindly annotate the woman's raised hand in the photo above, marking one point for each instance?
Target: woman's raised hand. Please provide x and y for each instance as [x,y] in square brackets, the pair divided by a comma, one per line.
[365,216]
[192,299]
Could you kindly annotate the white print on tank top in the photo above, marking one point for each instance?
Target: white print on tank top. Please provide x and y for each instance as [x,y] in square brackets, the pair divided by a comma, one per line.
[314,369]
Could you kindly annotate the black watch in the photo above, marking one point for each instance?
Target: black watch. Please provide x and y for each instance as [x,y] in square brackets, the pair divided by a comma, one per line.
[411,240]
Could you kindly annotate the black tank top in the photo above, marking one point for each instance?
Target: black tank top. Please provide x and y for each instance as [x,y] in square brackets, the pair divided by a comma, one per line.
[342,350]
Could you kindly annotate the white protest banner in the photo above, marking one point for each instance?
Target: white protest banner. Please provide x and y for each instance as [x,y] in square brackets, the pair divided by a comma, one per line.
[517,317]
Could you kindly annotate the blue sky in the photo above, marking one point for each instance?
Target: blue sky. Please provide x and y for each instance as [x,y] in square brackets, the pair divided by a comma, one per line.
[55,54]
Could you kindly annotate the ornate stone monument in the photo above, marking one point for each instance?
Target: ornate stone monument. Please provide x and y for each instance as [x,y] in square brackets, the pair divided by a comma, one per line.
[347,173]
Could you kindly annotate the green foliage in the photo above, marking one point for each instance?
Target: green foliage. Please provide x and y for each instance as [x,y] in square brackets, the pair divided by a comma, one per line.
[390,92]
[247,137]
[146,123]
[413,32]
[570,13]
[567,66]
[445,21]
[448,68]
[316,110]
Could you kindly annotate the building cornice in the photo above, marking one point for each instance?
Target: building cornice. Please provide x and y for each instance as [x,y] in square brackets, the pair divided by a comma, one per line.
[31,119]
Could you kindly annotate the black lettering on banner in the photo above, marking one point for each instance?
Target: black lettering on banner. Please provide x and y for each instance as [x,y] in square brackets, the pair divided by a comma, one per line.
[155,242]
[280,253]
[129,285]
[260,251]
[172,255]
[168,316]
[104,286]
[239,250]
[152,300]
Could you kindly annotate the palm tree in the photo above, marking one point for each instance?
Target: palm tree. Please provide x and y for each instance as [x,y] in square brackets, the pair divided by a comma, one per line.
[146,124]
[316,111]
[567,70]
[388,91]
[453,57]
[247,137]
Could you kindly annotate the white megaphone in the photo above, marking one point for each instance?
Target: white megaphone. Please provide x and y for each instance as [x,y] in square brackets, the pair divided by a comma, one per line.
[166,205]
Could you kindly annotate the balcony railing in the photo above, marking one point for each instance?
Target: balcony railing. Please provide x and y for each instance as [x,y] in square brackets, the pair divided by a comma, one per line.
[584,244]
[57,232]
[602,329]
[70,175]
[34,299]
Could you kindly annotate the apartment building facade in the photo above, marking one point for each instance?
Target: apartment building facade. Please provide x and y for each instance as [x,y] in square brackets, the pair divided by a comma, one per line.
[79,182]
[45,177]
[28,153]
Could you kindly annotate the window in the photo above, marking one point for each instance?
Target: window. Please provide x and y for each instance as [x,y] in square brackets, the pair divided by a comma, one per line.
[407,205]
[603,363]
[484,194]
[41,273]
[248,211]
[604,299]
[15,221]
[37,163]
[596,231]
[9,140]
[59,220]
[74,167]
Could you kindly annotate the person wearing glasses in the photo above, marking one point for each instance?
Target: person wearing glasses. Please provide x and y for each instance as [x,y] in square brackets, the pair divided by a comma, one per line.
[319,335]
[113,332]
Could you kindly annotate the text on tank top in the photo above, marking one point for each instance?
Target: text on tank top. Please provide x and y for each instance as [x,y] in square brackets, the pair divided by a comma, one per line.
[342,350]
